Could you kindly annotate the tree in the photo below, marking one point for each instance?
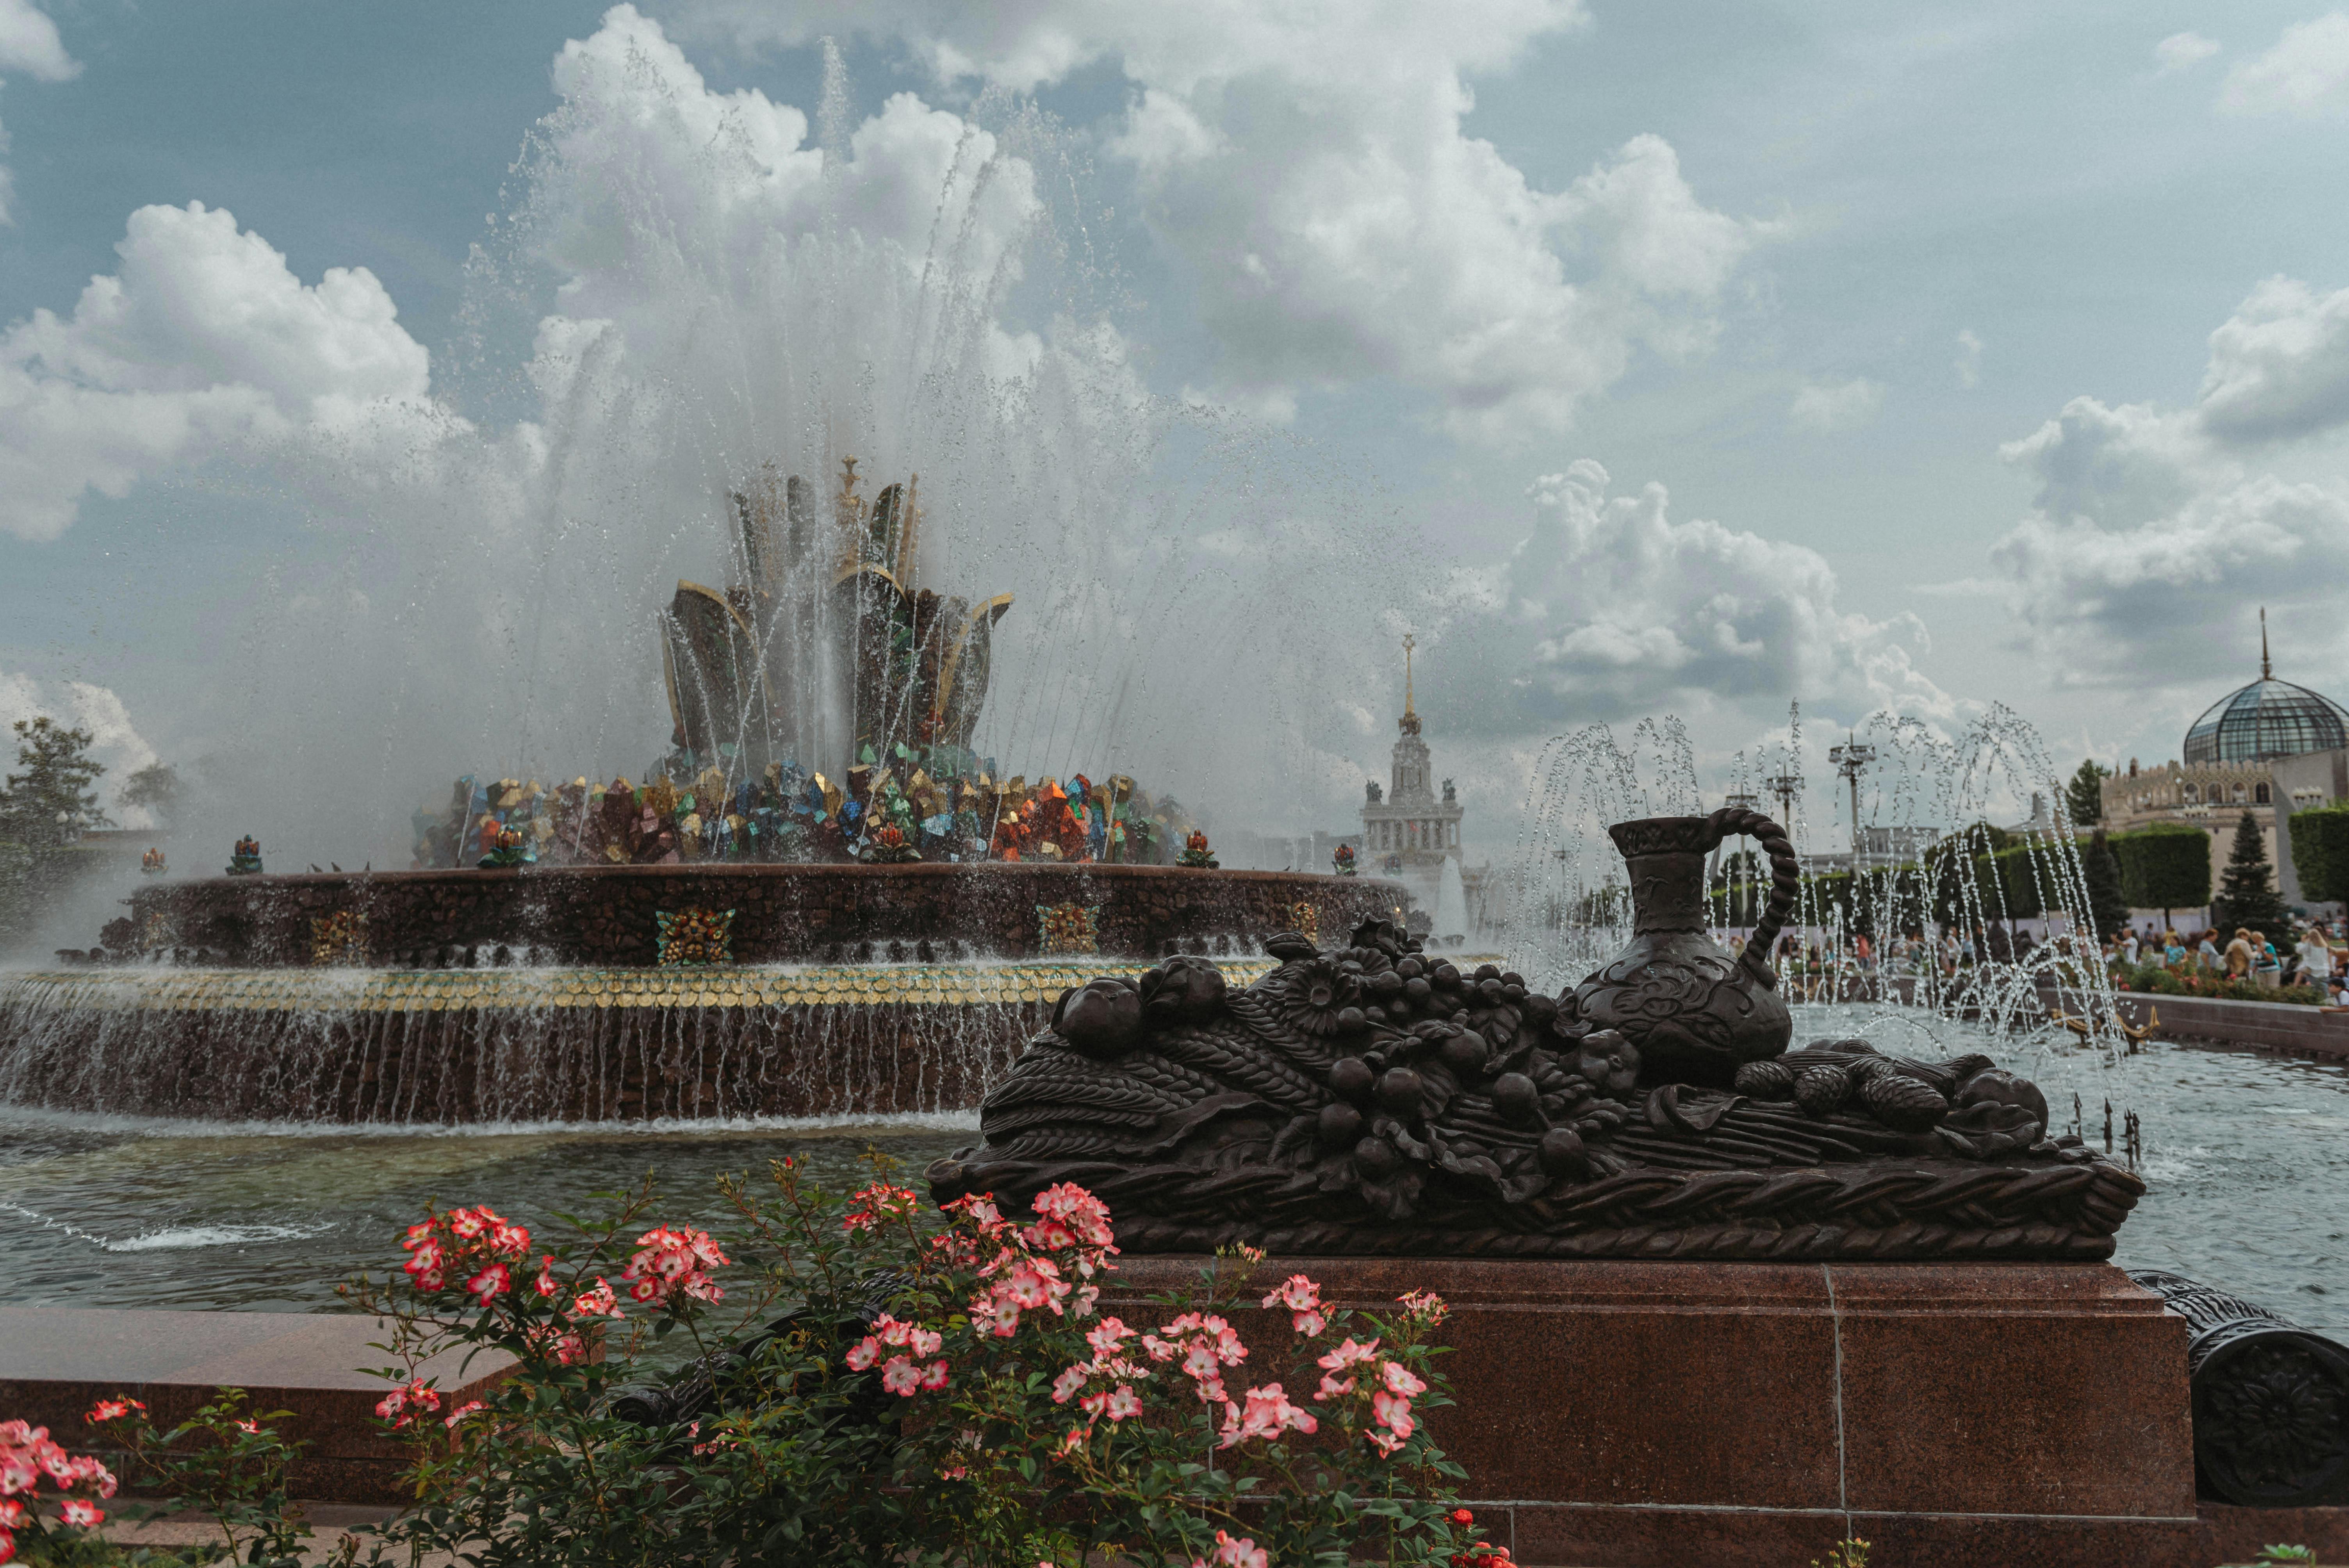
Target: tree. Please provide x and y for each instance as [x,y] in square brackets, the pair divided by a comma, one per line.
[156,787]
[2109,911]
[2246,896]
[2083,796]
[58,786]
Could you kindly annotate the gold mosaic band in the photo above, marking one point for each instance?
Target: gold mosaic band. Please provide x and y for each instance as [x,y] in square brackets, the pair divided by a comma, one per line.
[526,990]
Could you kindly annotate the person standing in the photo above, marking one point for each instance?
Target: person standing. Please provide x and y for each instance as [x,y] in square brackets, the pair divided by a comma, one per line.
[2267,967]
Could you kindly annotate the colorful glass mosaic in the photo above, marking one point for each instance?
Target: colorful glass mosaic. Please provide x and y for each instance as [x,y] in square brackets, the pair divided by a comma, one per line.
[1306,921]
[1068,927]
[694,937]
[339,938]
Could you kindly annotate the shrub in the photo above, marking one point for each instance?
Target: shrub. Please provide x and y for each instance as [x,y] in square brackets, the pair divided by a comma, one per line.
[2165,866]
[945,1390]
[2320,853]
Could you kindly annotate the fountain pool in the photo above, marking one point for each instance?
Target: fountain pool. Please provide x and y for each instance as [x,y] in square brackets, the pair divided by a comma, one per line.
[2247,1158]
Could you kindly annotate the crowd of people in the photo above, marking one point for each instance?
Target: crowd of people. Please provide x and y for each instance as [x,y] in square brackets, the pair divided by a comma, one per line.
[2314,957]
[1835,965]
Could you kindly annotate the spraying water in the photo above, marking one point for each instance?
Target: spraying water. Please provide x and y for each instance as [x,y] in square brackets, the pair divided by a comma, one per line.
[697,297]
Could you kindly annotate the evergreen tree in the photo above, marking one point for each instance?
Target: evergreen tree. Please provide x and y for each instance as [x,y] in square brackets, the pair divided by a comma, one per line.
[156,787]
[58,781]
[2109,911]
[2246,896]
[2083,796]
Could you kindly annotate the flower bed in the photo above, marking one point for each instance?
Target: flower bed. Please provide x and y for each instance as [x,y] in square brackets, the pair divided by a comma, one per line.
[869,1381]
[2192,980]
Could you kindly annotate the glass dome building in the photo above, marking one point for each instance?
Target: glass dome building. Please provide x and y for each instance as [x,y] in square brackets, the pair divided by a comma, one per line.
[2267,718]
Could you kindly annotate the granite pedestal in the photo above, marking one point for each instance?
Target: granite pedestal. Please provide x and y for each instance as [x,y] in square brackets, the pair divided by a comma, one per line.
[1633,1413]
[56,1362]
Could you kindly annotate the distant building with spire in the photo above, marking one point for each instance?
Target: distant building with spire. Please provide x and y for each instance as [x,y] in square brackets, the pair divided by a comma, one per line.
[2270,747]
[1409,832]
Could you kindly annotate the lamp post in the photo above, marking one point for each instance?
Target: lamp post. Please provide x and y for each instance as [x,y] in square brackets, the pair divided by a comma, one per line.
[1852,759]
[1785,786]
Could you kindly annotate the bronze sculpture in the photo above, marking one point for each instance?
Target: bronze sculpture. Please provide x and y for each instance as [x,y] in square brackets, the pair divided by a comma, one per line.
[1374,1099]
[1696,1013]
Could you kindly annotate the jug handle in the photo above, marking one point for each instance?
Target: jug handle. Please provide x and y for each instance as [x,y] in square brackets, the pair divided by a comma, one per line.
[1785,877]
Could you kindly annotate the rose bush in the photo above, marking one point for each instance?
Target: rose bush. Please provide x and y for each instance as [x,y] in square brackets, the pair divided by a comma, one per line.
[865,1379]
[857,1379]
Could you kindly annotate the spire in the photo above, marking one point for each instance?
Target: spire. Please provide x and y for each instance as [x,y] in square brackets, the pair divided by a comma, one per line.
[1408,723]
[2267,670]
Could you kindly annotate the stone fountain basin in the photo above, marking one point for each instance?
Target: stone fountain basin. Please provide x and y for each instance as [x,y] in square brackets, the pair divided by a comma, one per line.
[604,915]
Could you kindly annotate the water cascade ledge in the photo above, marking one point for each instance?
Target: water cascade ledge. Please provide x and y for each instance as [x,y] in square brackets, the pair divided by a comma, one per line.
[605,915]
[443,1047]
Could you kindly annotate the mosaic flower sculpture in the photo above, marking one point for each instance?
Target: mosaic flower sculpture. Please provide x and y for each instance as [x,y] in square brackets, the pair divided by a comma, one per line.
[1196,852]
[890,846]
[1068,928]
[338,938]
[691,935]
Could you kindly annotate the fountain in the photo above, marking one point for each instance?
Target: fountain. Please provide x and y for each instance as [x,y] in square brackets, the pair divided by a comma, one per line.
[706,973]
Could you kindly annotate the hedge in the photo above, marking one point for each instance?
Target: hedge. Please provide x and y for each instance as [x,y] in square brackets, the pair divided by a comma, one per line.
[2165,866]
[2320,853]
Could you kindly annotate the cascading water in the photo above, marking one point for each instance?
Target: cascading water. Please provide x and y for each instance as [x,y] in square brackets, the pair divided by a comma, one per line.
[691,300]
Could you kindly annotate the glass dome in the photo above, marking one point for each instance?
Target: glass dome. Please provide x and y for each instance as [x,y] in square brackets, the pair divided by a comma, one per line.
[2267,718]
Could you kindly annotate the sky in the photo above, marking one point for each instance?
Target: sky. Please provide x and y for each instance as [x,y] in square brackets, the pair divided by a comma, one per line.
[1671,358]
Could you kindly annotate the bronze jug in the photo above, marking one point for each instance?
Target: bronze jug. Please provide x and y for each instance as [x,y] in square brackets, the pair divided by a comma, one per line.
[1696,1013]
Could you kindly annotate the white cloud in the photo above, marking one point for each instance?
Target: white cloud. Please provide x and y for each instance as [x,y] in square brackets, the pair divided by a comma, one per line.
[28,44]
[2164,597]
[115,741]
[2150,536]
[1967,364]
[202,341]
[2305,73]
[1312,169]
[2183,51]
[2280,365]
[1837,406]
[1610,608]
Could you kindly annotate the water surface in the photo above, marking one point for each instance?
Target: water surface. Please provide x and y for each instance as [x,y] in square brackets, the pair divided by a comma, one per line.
[2246,1157]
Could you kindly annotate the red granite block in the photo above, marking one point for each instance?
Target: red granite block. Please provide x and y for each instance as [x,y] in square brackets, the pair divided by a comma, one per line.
[1604,1381]
[56,1362]
[2228,1534]
[2011,1387]
[1560,1537]
[1981,1541]
[1633,1412]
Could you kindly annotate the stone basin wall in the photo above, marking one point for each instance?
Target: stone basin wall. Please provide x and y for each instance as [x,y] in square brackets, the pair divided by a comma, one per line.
[604,915]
